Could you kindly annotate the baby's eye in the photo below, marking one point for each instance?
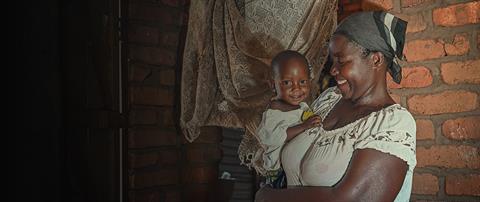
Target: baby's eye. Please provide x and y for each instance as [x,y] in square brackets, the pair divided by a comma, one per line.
[287,83]
[303,82]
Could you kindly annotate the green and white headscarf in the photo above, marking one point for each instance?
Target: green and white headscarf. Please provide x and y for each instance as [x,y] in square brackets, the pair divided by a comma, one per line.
[377,31]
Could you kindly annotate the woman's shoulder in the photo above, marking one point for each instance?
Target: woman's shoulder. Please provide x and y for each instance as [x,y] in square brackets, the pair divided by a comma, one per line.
[391,130]
[399,116]
[392,118]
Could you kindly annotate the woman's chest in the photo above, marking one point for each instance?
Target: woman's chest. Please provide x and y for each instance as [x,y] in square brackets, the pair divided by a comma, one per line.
[343,114]
[326,161]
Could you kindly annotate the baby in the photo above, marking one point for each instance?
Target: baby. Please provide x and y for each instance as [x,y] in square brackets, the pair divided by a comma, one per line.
[287,115]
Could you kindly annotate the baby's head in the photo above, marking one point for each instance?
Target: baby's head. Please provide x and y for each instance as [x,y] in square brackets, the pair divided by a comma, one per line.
[291,80]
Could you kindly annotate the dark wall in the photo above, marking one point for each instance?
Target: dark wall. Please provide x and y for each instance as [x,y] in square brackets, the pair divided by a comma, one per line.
[35,96]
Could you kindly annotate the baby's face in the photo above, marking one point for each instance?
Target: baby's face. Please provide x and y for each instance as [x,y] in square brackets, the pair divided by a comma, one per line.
[291,80]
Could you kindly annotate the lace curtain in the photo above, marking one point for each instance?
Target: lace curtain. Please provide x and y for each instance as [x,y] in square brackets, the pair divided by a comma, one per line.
[227,54]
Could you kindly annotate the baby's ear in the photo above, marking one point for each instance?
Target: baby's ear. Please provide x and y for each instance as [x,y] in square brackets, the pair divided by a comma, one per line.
[271,84]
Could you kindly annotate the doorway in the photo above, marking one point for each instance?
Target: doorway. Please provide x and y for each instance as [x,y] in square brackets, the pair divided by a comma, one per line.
[94,102]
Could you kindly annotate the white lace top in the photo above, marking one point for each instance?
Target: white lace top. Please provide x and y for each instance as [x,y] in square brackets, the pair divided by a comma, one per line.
[319,157]
[272,133]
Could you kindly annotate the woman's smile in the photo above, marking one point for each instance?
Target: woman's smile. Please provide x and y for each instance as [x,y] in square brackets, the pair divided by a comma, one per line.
[340,82]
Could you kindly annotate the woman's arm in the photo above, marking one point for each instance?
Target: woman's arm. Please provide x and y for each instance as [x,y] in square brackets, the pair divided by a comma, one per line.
[371,176]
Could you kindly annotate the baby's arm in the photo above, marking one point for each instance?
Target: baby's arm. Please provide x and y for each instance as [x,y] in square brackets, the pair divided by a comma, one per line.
[311,122]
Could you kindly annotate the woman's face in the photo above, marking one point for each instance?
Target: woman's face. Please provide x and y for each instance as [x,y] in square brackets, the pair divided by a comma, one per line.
[351,70]
[291,81]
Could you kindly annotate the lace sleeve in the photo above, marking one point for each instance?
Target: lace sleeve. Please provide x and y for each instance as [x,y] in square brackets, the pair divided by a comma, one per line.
[396,136]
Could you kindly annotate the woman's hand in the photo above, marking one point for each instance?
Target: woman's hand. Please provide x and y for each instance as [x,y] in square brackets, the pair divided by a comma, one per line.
[263,193]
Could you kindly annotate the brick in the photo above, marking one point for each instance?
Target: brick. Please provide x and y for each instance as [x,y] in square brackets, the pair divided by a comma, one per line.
[144,137]
[154,178]
[209,134]
[459,46]
[145,196]
[456,15]
[142,160]
[197,192]
[478,41]
[152,55]
[425,184]
[169,118]
[463,185]
[413,77]
[155,96]
[167,77]
[169,38]
[419,50]
[173,196]
[143,34]
[396,98]
[384,5]
[138,72]
[462,128]
[351,8]
[461,72]
[164,15]
[139,117]
[203,174]
[425,130]
[444,102]
[449,156]
[166,195]
[416,22]
[203,153]
[158,158]
[185,16]
[174,3]
[413,3]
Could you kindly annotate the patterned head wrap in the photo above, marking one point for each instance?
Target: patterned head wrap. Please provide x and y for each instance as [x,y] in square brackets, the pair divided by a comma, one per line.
[377,31]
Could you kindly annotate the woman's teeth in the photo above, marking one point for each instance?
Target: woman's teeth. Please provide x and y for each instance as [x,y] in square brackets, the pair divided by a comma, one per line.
[340,82]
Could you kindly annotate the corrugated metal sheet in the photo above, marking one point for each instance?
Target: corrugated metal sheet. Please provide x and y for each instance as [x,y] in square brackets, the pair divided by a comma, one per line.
[244,184]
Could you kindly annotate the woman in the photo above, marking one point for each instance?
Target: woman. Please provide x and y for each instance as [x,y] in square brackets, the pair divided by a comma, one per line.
[365,150]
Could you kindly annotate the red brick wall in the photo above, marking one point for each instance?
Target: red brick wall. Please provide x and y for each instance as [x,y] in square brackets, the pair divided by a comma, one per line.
[161,165]
[440,87]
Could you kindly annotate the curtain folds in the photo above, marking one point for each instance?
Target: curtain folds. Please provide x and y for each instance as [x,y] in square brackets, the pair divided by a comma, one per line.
[226,59]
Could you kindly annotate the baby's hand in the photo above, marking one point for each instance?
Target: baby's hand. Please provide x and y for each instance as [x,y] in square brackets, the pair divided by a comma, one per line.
[312,121]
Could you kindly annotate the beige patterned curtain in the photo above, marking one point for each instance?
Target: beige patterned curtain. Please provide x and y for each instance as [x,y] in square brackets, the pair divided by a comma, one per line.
[227,54]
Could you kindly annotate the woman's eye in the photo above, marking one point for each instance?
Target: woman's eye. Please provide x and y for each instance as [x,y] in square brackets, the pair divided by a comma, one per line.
[340,61]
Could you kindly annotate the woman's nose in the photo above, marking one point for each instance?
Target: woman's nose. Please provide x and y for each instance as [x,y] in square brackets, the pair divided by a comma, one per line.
[333,70]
